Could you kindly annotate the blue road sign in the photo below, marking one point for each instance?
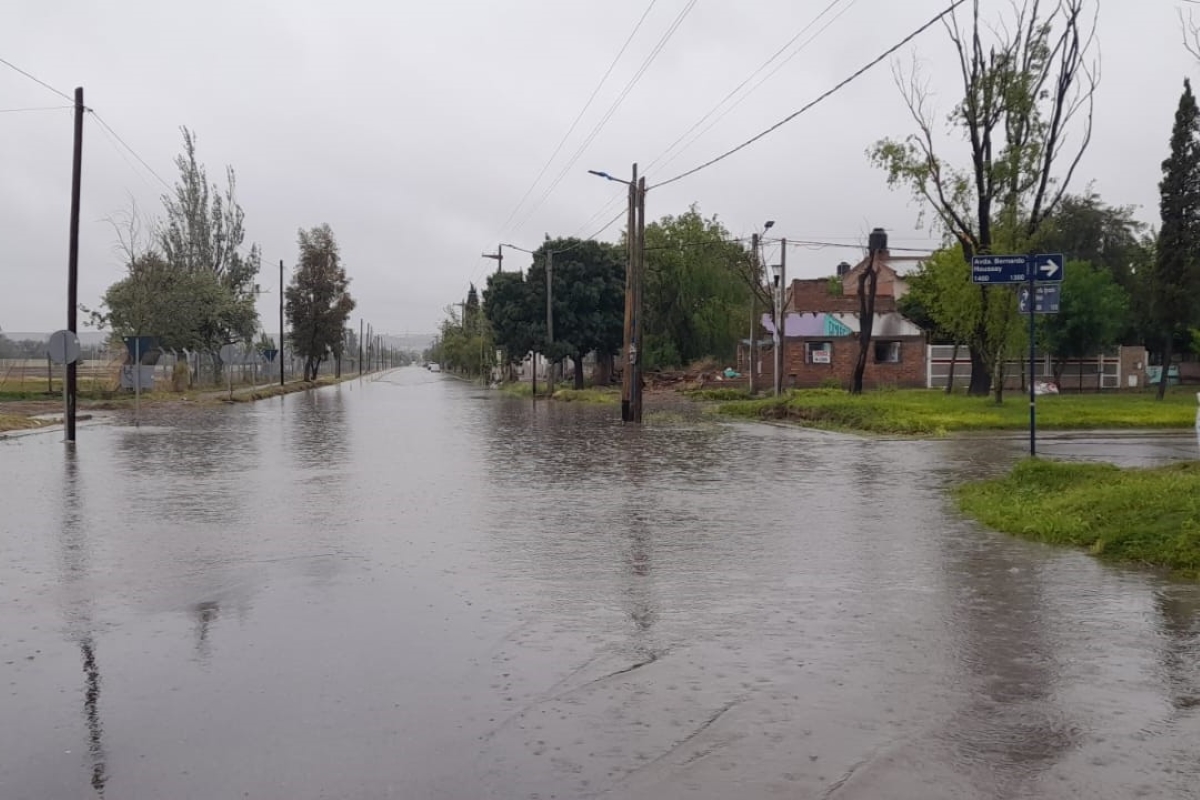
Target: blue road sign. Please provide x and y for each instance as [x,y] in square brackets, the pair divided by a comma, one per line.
[1045,299]
[1047,267]
[999,269]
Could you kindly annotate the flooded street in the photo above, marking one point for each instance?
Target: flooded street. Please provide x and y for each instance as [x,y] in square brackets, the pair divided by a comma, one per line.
[416,588]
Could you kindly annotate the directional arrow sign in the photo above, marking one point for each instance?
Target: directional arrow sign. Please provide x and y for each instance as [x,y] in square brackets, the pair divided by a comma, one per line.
[1048,267]
[1045,299]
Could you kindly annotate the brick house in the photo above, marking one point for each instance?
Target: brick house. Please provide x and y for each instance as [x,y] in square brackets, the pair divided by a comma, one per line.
[821,327]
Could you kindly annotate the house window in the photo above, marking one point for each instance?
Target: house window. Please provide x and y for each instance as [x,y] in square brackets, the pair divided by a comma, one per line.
[887,352]
[818,352]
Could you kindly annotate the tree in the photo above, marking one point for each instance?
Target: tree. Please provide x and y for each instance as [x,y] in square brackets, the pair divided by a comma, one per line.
[1109,238]
[203,233]
[696,298]
[1092,313]
[588,298]
[508,305]
[1175,281]
[1025,80]
[318,302]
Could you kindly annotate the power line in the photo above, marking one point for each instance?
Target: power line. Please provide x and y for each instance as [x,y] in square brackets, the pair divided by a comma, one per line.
[37,80]
[132,152]
[749,78]
[873,63]
[658,48]
[36,108]
[579,116]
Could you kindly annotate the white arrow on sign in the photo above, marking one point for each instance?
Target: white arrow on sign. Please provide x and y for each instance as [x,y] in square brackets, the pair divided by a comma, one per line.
[1048,269]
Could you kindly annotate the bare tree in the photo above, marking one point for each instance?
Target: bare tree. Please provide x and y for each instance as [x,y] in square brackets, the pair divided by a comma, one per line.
[1028,81]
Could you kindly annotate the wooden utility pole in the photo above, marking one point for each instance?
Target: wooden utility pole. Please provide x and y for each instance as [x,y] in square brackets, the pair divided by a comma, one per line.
[628,351]
[279,355]
[498,256]
[550,314]
[637,344]
[781,319]
[753,309]
[72,379]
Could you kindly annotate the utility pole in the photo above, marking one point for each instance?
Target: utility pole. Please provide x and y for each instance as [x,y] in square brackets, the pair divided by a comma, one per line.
[498,256]
[281,328]
[753,307]
[72,379]
[361,333]
[630,353]
[550,312]
[637,344]
[781,318]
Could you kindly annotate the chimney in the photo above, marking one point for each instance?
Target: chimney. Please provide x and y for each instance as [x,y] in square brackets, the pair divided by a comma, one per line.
[842,269]
[878,240]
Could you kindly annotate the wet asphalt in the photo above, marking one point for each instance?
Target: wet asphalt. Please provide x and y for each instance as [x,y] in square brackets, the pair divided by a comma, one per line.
[410,587]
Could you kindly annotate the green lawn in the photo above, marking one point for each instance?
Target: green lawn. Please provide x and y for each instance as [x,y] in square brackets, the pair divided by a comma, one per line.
[1147,516]
[593,395]
[932,412]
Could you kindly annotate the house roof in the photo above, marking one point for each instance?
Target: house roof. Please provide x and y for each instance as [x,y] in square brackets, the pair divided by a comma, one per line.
[797,325]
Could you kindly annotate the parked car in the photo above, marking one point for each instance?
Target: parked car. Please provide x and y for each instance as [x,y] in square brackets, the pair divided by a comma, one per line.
[434,366]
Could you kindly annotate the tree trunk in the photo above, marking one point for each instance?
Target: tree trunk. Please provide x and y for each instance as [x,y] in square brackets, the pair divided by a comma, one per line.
[602,374]
[998,379]
[953,364]
[981,376]
[578,370]
[1168,354]
[867,284]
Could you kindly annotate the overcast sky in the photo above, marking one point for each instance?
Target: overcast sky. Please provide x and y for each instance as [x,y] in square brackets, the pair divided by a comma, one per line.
[414,129]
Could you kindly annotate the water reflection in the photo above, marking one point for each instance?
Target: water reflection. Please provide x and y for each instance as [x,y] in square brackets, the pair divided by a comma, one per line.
[75,561]
[1179,653]
[1012,727]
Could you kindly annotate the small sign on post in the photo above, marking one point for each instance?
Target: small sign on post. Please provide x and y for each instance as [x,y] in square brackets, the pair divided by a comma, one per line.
[63,348]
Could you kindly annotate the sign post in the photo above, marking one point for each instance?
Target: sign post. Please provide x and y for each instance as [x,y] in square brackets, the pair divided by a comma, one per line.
[1032,300]
[63,348]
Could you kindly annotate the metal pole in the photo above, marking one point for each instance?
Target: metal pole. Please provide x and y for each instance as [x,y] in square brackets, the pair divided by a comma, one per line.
[627,343]
[71,379]
[137,380]
[1031,268]
[281,328]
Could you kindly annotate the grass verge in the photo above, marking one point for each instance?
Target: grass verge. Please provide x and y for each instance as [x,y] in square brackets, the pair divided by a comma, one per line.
[724,395]
[931,412]
[593,395]
[20,422]
[1144,516]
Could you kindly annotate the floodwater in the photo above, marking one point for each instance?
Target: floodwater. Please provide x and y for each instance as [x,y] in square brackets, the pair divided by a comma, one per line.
[414,588]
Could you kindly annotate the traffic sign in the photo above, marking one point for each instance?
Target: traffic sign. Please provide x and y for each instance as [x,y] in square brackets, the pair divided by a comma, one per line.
[1047,267]
[1045,299]
[63,347]
[999,269]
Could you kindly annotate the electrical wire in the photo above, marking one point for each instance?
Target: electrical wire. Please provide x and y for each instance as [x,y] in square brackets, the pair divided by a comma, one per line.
[658,48]
[825,95]
[132,152]
[747,80]
[579,116]
[37,108]
[38,81]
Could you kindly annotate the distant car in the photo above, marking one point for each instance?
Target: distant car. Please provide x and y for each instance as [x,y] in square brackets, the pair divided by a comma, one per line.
[435,367]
